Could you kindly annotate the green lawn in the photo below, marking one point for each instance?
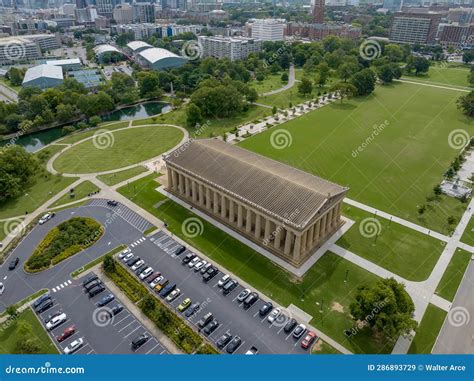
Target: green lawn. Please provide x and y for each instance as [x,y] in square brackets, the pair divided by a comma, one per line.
[81,191]
[118,177]
[118,149]
[8,84]
[9,334]
[323,348]
[7,226]
[323,284]
[453,275]
[282,100]
[270,83]
[468,236]
[428,330]
[399,249]
[86,134]
[399,165]
[452,75]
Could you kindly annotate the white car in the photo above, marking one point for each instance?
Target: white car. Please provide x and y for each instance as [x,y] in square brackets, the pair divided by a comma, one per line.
[127,257]
[174,294]
[56,321]
[74,346]
[138,264]
[2,288]
[273,315]
[223,280]
[45,218]
[193,262]
[198,266]
[156,281]
[124,253]
[148,271]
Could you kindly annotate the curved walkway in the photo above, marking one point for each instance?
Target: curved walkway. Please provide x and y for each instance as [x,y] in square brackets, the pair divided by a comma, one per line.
[289,85]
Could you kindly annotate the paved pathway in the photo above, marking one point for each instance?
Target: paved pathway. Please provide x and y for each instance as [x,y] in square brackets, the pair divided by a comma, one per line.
[8,93]
[289,85]
[433,85]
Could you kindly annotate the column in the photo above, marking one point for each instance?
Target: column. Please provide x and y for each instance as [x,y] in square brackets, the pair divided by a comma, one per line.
[181,183]
[309,239]
[239,216]
[303,242]
[248,222]
[329,220]
[268,230]
[187,187]
[278,231]
[288,239]
[257,225]
[200,194]
[170,178]
[208,198]
[231,211]
[322,230]
[223,207]
[216,202]
[317,231]
[194,190]
[297,248]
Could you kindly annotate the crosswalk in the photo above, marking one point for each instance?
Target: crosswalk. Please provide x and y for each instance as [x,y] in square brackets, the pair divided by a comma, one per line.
[165,243]
[61,286]
[125,213]
[137,242]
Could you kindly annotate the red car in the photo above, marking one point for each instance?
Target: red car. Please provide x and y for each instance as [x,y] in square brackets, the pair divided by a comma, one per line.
[67,333]
[309,339]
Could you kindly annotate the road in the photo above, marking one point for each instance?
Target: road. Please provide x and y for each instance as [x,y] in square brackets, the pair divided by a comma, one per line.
[289,85]
[8,94]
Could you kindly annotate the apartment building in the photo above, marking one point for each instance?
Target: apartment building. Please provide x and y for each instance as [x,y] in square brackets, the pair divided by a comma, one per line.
[233,48]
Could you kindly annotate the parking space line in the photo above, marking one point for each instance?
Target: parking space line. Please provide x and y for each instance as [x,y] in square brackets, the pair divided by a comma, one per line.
[121,320]
[128,334]
[121,329]
[157,345]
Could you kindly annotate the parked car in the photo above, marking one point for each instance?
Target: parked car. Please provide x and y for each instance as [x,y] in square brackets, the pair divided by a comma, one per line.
[48,318]
[138,341]
[252,351]
[156,281]
[46,218]
[198,266]
[56,321]
[193,262]
[205,267]
[41,299]
[105,300]
[188,258]
[250,300]
[115,310]
[206,319]
[273,315]
[309,339]
[89,286]
[299,331]
[137,264]
[124,253]
[233,345]
[132,261]
[223,280]
[229,286]
[209,274]
[184,304]
[14,263]
[174,294]
[193,309]
[145,273]
[89,278]
[290,325]
[68,332]
[161,284]
[243,295]
[211,327]
[112,203]
[180,250]
[224,340]
[265,309]
[74,346]
[128,258]
[167,290]
[96,290]
[47,304]
[152,277]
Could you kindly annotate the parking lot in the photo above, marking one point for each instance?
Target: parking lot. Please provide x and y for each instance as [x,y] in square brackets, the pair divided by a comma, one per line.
[253,329]
[102,334]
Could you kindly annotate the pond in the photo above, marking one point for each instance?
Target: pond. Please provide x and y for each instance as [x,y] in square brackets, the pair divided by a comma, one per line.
[37,140]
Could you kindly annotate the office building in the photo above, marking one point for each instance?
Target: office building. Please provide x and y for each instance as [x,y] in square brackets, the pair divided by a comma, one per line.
[266,29]
[415,28]
[233,48]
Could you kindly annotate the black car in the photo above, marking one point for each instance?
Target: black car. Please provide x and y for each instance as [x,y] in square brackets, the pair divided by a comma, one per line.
[89,278]
[180,250]
[290,325]
[105,300]
[209,274]
[265,309]
[188,258]
[115,310]
[48,303]
[112,203]
[211,327]
[250,301]
[229,286]
[132,261]
[167,290]
[233,345]
[14,263]
[192,310]
[139,341]
[141,268]
[96,290]
[41,299]
[89,286]
[224,340]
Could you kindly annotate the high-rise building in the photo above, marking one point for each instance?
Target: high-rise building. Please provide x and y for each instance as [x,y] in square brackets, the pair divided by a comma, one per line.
[457,35]
[392,5]
[143,12]
[81,4]
[86,15]
[233,48]
[415,28]
[317,10]
[123,14]
[267,29]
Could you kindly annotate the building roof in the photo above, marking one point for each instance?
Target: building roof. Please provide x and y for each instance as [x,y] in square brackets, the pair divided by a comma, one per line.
[69,61]
[43,71]
[105,48]
[153,55]
[134,45]
[289,195]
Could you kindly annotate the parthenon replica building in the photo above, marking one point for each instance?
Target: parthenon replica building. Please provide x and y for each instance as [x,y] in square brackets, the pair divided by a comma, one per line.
[283,209]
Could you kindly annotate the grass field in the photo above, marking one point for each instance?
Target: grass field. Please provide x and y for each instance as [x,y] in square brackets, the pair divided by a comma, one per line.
[393,170]
[117,177]
[81,191]
[428,330]
[468,236]
[270,83]
[6,227]
[323,348]
[402,250]
[282,100]
[323,286]
[118,149]
[453,75]
[9,335]
[86,134]
[453,275]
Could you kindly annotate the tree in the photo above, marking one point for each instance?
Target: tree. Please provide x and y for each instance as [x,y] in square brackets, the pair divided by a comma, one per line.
[386,307]
[465,103]
[305,87]
[148,85]
[148,304]
[344,90]
[451,220]
[251,95]
[109,264]
[193,115]
[437,190]
[364,81]
[468,56]
[419,64]
[16,75]
[284,77]
[323,73]
[64,112]
[94,121]
[347,70]
[388,72]
[393,52]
